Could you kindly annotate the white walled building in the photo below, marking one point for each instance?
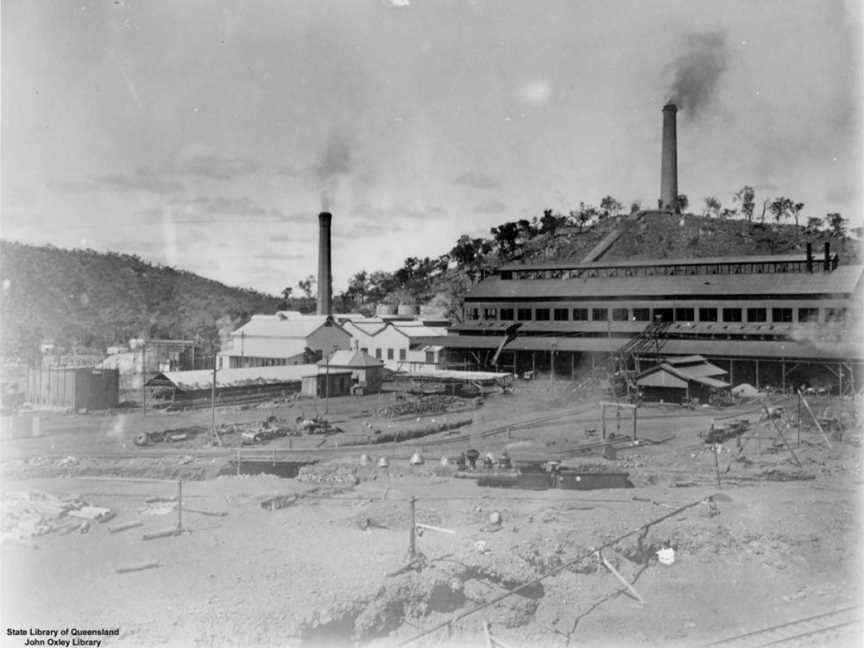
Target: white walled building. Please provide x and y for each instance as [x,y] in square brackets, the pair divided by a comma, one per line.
[395,342]
[286,338]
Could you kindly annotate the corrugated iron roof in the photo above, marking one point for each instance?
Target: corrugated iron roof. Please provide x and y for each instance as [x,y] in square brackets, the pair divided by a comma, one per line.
[456,375]
[369,327]
[842,281]
[679,360]
[633,263]
[705,369]
[803,349]
[203,379]
[276,326]
[683,373]
[349,358]
[421,331]
[255,347]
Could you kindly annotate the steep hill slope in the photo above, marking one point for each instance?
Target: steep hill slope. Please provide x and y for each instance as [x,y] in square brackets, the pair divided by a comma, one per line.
[664,236]
[92,299]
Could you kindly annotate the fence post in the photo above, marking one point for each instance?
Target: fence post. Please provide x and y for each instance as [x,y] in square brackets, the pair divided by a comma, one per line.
[717,447]
[179,505]
[412,549]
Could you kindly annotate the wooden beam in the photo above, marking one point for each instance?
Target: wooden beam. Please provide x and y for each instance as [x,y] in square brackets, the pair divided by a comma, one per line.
[623,580]
[813,416]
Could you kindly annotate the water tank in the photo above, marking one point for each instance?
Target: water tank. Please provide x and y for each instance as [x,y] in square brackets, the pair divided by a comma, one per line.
[407,310]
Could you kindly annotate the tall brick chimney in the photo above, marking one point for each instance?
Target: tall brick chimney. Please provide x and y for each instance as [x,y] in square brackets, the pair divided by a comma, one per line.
[325,281]
[669,161]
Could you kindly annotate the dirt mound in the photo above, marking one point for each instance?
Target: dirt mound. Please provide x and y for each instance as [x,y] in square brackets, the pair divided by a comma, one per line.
[187,468]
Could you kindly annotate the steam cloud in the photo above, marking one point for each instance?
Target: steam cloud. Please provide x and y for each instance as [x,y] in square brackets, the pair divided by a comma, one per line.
[697,71]
[335,160]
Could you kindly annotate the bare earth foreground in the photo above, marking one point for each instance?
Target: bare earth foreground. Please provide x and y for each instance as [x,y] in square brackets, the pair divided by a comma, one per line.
[325,562]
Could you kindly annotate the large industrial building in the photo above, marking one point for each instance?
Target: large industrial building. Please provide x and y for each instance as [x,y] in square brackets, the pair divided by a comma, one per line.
[766,320]
[778,320]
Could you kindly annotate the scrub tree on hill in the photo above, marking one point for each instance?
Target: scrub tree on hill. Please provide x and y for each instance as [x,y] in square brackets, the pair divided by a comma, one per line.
[712,207]
[795,209]
[780,207]
[610,206]
[747,198]
[837,223]
[307,285]
[814,224]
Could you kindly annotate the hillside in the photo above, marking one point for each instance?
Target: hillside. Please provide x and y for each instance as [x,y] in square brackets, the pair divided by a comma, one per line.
[85,298]
[91,299]
[664,236]
[556,237]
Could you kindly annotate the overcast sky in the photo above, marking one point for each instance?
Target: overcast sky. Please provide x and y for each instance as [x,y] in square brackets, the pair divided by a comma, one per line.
[206,134]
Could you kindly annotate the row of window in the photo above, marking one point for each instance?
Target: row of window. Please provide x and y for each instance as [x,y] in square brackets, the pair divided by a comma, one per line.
[757,314]
[403,354]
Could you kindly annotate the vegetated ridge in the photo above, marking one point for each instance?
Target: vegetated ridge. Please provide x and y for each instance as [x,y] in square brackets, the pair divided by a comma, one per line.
[90,299]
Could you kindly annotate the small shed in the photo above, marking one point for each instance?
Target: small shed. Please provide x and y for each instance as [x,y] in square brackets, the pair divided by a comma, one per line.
[230,383]
[330,383]
[674,384]
[366,371]
[74,388]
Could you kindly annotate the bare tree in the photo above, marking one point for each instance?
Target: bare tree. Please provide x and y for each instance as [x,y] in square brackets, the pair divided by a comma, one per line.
[747,197]
[794,209]
[307,286]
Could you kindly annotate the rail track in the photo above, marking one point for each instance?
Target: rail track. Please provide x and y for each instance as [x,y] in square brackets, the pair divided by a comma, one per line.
[838,628]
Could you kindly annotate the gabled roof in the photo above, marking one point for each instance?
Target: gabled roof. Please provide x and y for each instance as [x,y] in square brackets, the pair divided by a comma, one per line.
[845,280]
[265,347]
[347,358]
[203,378]
[367,326]
[695,365]
[419,330]
[684,360]
[682,374]
[284,327]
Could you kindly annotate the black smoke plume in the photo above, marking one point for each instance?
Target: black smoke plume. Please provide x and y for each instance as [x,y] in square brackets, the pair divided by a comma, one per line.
[335,160]
[696,72]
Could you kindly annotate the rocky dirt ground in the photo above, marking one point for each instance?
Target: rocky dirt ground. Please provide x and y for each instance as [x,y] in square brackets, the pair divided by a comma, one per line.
[321,560]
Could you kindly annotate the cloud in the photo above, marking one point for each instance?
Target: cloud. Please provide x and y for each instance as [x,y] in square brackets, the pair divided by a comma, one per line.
[202,265]
[396,4]
[476,180]
[143,180]
[289,238]
[279,256]
[295,171]
[373,229]
[841,194]
[491,207]
[218,167]
[765,186]
[210,209]
[535,93]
